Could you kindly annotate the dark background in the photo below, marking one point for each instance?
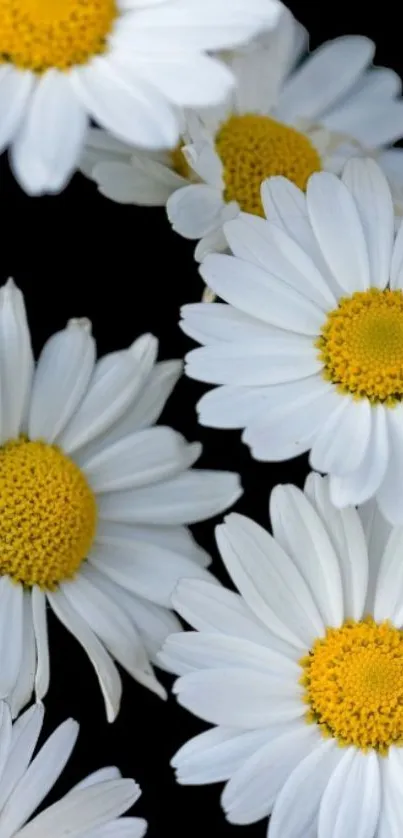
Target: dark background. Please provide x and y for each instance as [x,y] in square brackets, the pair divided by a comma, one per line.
[77,255]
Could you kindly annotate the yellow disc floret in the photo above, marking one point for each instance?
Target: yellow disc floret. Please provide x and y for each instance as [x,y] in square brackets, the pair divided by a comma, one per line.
[353,681]
[361,345]
[47,514]
[252,148]
[40,34]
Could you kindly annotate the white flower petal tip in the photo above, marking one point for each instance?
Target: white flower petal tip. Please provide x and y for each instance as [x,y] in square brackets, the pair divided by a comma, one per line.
[312,597]
[84,429]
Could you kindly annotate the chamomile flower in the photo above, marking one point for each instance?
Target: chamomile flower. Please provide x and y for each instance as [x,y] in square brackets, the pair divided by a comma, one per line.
[91,808]
[93,503]
[127,64]
[300,672]
[291,119]
[309,351]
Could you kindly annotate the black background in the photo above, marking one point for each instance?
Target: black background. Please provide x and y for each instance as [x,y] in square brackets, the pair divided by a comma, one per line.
[77,255]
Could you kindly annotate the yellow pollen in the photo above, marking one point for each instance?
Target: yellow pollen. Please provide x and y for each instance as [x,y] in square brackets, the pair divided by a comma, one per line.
[353,681]
[39,34]
[48,514]
[178,161]
[361,346]
[254,147]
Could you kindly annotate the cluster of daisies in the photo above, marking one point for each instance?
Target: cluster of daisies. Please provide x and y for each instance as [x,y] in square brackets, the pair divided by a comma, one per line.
[280,164]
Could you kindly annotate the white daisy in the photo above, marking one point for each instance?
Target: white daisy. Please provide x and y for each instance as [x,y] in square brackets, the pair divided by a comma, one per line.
[310,349]
[287,118]
[91,809]
[127,64]
[93,503]
[308,657]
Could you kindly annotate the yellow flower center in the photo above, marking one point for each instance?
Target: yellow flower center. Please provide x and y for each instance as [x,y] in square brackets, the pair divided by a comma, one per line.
[39,34]
[252,148]
[353,680]
[48,514]
[361,345]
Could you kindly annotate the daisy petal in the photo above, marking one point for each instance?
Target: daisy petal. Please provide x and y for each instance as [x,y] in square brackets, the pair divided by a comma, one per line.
[342,442]
[83,810]
[388,604]
[11,633]
[186,499]
[295,812]
[337,226]
[269,581]
[373,198]
[195,210]
[358,487]
[351,802]
[15,89]
[209,324]
[44,161]
[61,379]
[396,271]
[213,756]
[25,734]
[120,828]
[108,675]
[377,531]
[299,530]
[39,778]
[189,651]
[388,494]
[252,790]
[6,727]
[16,361]
[24,685]
[225,696]
[114,385]
[40,623]
[108,773]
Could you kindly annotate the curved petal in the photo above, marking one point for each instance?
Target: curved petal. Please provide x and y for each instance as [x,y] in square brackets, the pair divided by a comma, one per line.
[15,89]
[213,756]
[389,493]
[16,362]
[40,623]
[24,685]
[25,734]
[351,802]
[341,444]
[362,484]
[11,634]
[189,651]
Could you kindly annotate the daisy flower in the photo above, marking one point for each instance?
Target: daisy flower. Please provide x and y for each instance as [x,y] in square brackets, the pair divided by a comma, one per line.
[91,808]
[288,118]
[93,503]
[309,351]
[300,672]
[127,64]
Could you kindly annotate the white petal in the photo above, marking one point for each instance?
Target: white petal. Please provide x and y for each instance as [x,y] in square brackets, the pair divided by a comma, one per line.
[337,226]
[377,531]
[131,110]
[341,444]
[391,815]
[296,810]
[111,625]
[83,810]
[348,539]
[351,802]
[288,429]
[11,634]
[140,459]
[15,89]
[388,604]
[16,361]
[187,80]
[299,530]
[38,778]
[225,696]
[24,685]
[99,776]
[213,756]
[325,77]
[144,569]
[271,360]
[189,651]
[114,385]
[212,608]
[372,195]
[141,180]
[195,210]
[108,676]
[143,412]
[396,270]
[6,728]
[362,484]
[389,492]
[40,623]
[25,735]
[271,248]
[269,581]
[186,499]
[258,293]
[61,379]
[51,137]
[375,126]
[120,828]
[252,790]
[177,539]
[209,324]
